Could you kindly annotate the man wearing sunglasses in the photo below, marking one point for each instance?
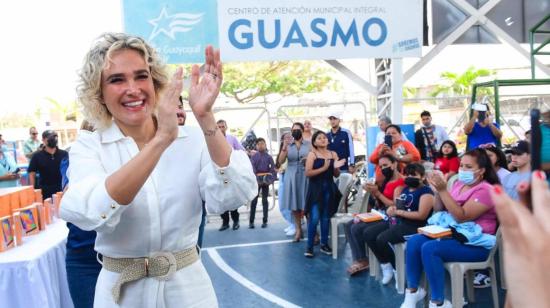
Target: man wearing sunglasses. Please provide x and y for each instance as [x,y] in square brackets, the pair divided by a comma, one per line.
[32,144]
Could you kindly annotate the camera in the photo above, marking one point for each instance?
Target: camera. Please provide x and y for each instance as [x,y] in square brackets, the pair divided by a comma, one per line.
[481,109]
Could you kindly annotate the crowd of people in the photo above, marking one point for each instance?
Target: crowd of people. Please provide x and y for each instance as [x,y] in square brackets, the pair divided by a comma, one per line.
[120,199]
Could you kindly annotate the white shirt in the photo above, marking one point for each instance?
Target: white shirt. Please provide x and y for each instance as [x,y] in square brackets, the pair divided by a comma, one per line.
[165,214]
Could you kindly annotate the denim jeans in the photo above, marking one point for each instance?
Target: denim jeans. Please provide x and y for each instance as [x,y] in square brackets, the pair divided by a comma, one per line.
[428,255]
[314,217]
[82,272]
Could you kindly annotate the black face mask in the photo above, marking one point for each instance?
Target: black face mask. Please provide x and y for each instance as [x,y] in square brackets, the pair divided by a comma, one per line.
[52,142]
[412,182]
[297,134]
[387,172]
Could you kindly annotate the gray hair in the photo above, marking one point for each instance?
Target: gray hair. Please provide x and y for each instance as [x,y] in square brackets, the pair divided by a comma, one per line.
[385,118]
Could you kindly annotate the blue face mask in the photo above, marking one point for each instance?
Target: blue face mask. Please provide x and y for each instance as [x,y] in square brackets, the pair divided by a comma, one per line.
[466,176]
[4,148]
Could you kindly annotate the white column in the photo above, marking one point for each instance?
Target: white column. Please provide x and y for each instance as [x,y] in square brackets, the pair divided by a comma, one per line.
[397,90]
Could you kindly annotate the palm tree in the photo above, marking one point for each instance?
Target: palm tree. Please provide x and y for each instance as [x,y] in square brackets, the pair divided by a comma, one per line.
[461,84]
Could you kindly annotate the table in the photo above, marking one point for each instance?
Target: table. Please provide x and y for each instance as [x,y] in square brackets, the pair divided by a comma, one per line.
[33,275]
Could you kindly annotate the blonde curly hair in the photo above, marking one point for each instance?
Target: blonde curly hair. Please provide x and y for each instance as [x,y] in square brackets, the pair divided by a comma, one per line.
[89,86]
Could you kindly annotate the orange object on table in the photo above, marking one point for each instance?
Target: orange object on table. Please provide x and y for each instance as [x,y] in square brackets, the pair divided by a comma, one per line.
[41,216]
[18,229]
[29,219]
[48,210]
[7,236]
[38,195]
[5,209]
[16,200]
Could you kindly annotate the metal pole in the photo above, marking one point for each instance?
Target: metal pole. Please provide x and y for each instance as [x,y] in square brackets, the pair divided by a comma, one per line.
[397,90]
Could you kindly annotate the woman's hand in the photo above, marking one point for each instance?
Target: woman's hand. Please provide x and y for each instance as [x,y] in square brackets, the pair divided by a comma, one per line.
[384,149]
[526,246]
[203,93]
[437,182]
[339,163]
[327,164]
[391,211]
[167,122]
[372,189]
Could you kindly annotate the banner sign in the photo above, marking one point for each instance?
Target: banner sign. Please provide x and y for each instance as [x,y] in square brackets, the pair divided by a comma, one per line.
[178,29]
[260,30]
[252,30]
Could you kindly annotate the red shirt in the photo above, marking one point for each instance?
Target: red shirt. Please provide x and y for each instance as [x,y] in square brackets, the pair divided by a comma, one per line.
[391,186]
[446,165]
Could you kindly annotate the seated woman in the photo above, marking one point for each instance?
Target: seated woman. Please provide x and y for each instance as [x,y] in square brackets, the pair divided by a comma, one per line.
[498,160]
[404,151]
[468,200]
[447,161]
[413,205]
[383,197]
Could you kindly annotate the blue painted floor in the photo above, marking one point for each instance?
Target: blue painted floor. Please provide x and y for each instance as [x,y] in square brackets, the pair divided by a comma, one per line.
[281,269]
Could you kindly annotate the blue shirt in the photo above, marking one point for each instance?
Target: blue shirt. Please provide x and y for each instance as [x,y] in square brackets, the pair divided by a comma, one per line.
[410,201]
[7,165]
[341,142]
[512,180]
[481,135]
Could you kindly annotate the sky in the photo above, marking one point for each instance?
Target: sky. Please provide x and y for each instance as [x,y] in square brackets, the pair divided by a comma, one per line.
[43,45]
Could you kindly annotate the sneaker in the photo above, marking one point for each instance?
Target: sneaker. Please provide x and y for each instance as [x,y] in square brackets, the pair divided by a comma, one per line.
[264,225]
[287,229]
[446,304]
[309,253]
[326,249]
[481,281]
[387,272]
[250,226]
[223,227]
[236,226]
[412,298]
[291,231]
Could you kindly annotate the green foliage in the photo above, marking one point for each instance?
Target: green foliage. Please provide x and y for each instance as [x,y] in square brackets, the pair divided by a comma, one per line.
[409,92]
[69,111]
[461,84]
[247,81]
[15,120]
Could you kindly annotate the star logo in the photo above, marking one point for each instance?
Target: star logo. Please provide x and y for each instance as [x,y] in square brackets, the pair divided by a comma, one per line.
[169,25]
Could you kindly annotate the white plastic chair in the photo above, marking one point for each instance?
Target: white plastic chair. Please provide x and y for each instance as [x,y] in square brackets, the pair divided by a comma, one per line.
[374,265]
[340,219]
[399,251]
[457,270]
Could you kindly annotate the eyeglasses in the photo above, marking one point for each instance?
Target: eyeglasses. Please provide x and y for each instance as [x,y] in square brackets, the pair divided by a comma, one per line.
[34,134]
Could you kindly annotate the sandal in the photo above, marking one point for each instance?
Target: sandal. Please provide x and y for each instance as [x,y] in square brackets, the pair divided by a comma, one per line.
[356,268]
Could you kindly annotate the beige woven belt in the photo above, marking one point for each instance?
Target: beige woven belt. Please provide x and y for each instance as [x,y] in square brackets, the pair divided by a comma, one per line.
[160,265]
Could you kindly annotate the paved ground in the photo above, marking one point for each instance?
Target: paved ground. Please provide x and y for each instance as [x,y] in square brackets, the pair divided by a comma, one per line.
[262,268]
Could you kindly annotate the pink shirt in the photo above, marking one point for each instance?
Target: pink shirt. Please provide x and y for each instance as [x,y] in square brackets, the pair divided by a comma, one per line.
[480,193]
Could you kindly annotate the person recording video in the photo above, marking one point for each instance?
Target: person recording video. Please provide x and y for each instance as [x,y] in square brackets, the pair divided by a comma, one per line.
[481,129]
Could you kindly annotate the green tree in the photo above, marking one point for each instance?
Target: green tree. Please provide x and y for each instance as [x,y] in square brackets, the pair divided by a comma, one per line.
[68,111]
[247,81]
[455,84]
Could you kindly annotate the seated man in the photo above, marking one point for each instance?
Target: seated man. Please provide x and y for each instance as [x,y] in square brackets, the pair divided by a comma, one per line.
[521,159]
